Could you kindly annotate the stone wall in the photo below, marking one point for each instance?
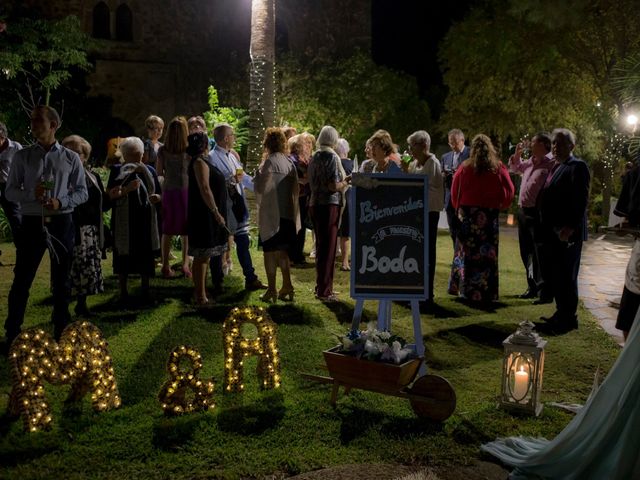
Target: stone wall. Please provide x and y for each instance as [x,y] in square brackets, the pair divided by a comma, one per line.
[179,47]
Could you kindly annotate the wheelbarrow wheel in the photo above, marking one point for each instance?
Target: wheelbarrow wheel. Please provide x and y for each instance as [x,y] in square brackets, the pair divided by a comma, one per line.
[438,398]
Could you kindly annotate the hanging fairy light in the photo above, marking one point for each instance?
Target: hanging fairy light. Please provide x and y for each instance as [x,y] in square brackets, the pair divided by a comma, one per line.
[237,348]
[81,359]
[173,394]
[614,151]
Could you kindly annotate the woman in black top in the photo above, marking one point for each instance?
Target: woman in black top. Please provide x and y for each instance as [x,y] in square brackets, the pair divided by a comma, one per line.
[207,205]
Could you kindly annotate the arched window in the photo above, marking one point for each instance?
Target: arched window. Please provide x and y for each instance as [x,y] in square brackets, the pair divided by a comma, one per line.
[124,23]
[101,21]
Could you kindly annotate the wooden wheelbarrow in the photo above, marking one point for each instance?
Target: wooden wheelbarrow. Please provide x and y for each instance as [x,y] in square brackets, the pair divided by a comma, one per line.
[431,396]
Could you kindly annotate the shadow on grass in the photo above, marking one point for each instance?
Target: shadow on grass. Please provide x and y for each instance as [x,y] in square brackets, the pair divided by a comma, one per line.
[22,447]
[281,314]
[254,418]
[344,312]
[467,433]
[489,307]
[149,371]
[292,314]
[435,310]
[490,334]
[172,433]
[357,421]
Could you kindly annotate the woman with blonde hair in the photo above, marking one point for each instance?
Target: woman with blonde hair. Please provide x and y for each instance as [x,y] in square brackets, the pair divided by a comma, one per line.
[300,151]
[481,188]
[86,268]
[381,148]
[173,164]
[155,126]
[276,187]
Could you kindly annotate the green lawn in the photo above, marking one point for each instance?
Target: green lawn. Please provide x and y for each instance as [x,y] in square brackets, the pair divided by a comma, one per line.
[293,429]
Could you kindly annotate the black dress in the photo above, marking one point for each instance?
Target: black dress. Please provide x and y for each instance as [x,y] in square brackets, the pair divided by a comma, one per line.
[207,237]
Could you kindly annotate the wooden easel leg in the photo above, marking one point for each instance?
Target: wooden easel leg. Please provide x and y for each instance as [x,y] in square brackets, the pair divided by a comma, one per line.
[384,315]
[417,333]
[357,315]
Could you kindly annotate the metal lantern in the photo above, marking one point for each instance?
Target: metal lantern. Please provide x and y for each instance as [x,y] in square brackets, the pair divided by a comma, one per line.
[522,369]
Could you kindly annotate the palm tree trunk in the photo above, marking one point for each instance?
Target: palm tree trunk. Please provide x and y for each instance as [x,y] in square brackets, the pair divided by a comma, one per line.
[262,89]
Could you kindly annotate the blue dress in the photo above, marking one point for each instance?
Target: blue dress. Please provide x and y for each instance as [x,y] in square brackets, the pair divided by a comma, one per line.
[601,442]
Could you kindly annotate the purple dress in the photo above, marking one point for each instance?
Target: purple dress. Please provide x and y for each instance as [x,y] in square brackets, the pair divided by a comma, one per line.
[175,192]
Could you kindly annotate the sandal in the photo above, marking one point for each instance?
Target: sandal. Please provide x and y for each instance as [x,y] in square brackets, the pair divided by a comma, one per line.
[345,269]
[203,302]
[167,272]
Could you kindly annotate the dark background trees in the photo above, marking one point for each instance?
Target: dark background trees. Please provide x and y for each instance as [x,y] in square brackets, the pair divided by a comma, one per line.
[513,67]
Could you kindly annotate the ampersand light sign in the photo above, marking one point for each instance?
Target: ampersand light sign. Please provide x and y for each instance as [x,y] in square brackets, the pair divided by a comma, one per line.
[80,359]
[173,394]
[237,347]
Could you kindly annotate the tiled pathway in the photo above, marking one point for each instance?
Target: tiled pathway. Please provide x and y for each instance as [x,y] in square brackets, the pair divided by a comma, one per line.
[604,261]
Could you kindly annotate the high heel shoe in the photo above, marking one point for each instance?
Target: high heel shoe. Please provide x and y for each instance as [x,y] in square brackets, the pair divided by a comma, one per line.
[286,295]
[270,296]
[167,272]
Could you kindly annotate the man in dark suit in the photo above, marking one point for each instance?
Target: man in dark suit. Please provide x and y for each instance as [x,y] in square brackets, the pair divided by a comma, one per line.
[563,212]
[450,163]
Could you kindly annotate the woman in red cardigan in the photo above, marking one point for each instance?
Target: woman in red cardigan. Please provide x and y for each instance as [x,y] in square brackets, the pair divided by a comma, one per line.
[481,188]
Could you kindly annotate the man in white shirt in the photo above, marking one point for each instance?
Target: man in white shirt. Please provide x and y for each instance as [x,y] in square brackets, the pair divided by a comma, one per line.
[237,211]
[426,163]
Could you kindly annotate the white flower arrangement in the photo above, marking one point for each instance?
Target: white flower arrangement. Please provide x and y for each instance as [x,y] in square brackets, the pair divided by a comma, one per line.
[372,344]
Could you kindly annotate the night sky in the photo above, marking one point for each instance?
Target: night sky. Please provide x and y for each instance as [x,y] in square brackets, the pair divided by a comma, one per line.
[405,36]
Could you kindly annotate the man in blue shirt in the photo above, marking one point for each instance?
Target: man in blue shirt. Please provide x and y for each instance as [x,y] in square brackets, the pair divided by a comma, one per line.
[48,182]
[450,163]
[237,210]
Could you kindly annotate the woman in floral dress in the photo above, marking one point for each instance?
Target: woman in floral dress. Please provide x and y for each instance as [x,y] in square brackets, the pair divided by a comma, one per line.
[481,188]
[86,269]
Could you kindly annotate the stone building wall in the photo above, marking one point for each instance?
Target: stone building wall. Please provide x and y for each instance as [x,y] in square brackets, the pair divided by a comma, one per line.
[179,47]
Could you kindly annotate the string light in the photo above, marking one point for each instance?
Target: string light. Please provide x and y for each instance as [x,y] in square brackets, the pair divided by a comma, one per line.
[80,359]
[173,394]
[614,152]
[238,347]
[262,116]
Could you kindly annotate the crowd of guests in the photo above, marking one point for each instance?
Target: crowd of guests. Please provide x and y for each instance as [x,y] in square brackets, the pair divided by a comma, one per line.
[194,187]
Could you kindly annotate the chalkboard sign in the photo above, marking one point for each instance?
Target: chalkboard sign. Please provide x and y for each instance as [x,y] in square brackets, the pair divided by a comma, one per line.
[389,236]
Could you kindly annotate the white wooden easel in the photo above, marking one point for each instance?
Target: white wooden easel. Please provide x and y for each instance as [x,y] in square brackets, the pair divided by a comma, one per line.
[384,324]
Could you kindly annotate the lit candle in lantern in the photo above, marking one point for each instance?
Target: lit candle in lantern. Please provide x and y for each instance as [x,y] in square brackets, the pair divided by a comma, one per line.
[521,385]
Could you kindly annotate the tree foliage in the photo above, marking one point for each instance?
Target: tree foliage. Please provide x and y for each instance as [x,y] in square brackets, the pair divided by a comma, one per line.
[517,66]
[626,81]
[506,79]
[354,95]
[234,116]
[41,55]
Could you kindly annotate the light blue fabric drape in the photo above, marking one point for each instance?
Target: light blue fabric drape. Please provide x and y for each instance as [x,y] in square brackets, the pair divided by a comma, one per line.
[601,442]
